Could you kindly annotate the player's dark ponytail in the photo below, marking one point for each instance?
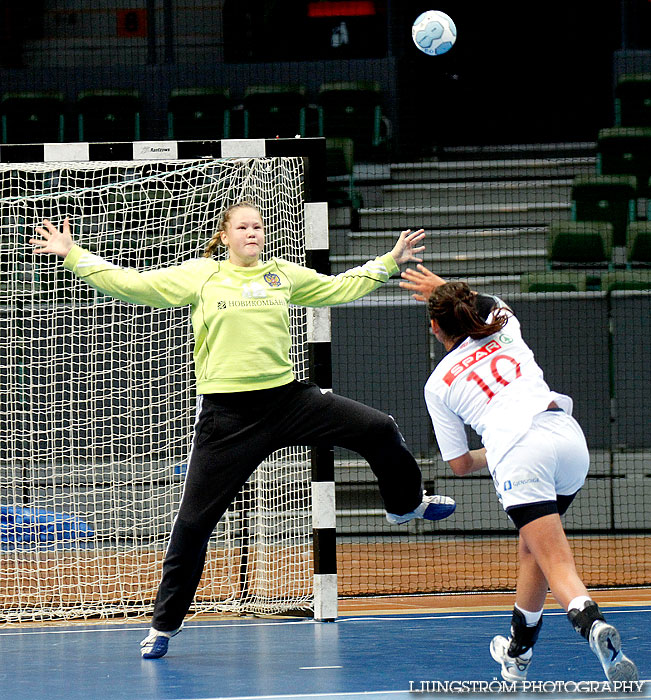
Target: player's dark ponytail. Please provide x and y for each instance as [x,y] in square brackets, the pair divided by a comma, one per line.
[454,307]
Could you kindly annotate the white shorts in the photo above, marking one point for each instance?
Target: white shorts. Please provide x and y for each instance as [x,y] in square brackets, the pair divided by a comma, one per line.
[550,460]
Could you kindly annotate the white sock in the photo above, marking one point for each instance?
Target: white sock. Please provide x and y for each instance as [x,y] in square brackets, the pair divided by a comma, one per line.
[531,618]
[579,602]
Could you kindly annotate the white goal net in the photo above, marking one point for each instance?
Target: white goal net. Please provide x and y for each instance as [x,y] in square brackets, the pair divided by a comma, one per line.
[99,396]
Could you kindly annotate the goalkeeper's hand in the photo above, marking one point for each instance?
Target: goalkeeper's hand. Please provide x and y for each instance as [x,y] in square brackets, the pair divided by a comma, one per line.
[52,240]
[422,281]
[407,246]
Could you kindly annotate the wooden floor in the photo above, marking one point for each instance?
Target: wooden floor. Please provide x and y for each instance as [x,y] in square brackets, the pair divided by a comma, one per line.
[448,565]
[392,575]
[468,602]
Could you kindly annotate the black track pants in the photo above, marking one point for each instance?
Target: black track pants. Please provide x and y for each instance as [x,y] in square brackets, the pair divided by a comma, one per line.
[234,433]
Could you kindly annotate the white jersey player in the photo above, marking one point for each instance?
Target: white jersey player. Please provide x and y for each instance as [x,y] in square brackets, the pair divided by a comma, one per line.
[535,451]
[474,385]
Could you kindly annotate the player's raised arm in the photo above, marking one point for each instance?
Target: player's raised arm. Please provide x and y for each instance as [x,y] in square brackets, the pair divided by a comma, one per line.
[313,289]
[161,288]
[407,246]
[52,240]
[422,281]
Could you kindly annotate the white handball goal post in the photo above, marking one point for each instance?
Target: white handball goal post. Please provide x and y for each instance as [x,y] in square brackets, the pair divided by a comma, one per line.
[99,396]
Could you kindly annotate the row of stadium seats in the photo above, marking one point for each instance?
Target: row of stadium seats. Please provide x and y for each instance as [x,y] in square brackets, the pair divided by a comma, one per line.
[44,117]
[591,243]
[619,191]
[622,184]
[606,244]
[577,281]
[340,109]
[608,198]
[580,258]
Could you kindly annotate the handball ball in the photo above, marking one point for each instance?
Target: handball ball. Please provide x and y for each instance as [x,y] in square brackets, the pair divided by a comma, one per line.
[434,32]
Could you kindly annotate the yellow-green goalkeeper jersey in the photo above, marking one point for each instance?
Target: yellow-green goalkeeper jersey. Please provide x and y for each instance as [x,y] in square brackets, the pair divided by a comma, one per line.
[240,315]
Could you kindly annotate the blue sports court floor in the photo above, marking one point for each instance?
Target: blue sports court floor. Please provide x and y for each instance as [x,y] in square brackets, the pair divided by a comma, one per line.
[362,656]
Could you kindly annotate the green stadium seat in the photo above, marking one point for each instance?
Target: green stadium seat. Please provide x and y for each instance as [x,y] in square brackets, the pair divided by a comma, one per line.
[567,281]
[198,113]
[626,279]
[633,100]
[638,243]
[339,170]
[274,110]
[353,110]
[626,151]
[580,243]
[608,198]
[340,157]
[32,117]
[108,115]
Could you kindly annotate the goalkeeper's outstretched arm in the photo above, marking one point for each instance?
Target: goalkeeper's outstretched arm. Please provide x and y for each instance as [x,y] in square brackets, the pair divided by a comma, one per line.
[160,288]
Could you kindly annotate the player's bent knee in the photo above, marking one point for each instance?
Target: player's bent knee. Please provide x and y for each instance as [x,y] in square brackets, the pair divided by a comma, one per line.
[386,427]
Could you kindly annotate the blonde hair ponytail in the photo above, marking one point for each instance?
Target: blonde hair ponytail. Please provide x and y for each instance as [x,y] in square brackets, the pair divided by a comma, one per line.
[212,246]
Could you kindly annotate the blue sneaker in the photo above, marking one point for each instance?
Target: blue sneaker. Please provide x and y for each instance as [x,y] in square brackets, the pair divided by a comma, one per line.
[432,508]
[154,645]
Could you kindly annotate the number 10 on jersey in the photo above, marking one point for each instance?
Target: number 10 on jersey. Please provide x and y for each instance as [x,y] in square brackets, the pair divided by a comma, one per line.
[497,375]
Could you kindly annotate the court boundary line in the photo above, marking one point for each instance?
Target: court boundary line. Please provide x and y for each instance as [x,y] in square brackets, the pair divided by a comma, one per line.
[362,693]
[309,621]
[358,693]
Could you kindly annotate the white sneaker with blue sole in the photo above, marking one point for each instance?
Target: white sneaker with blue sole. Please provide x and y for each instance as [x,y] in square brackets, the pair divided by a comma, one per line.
[607,645]
[154,645]
[432,508]
[514,668]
